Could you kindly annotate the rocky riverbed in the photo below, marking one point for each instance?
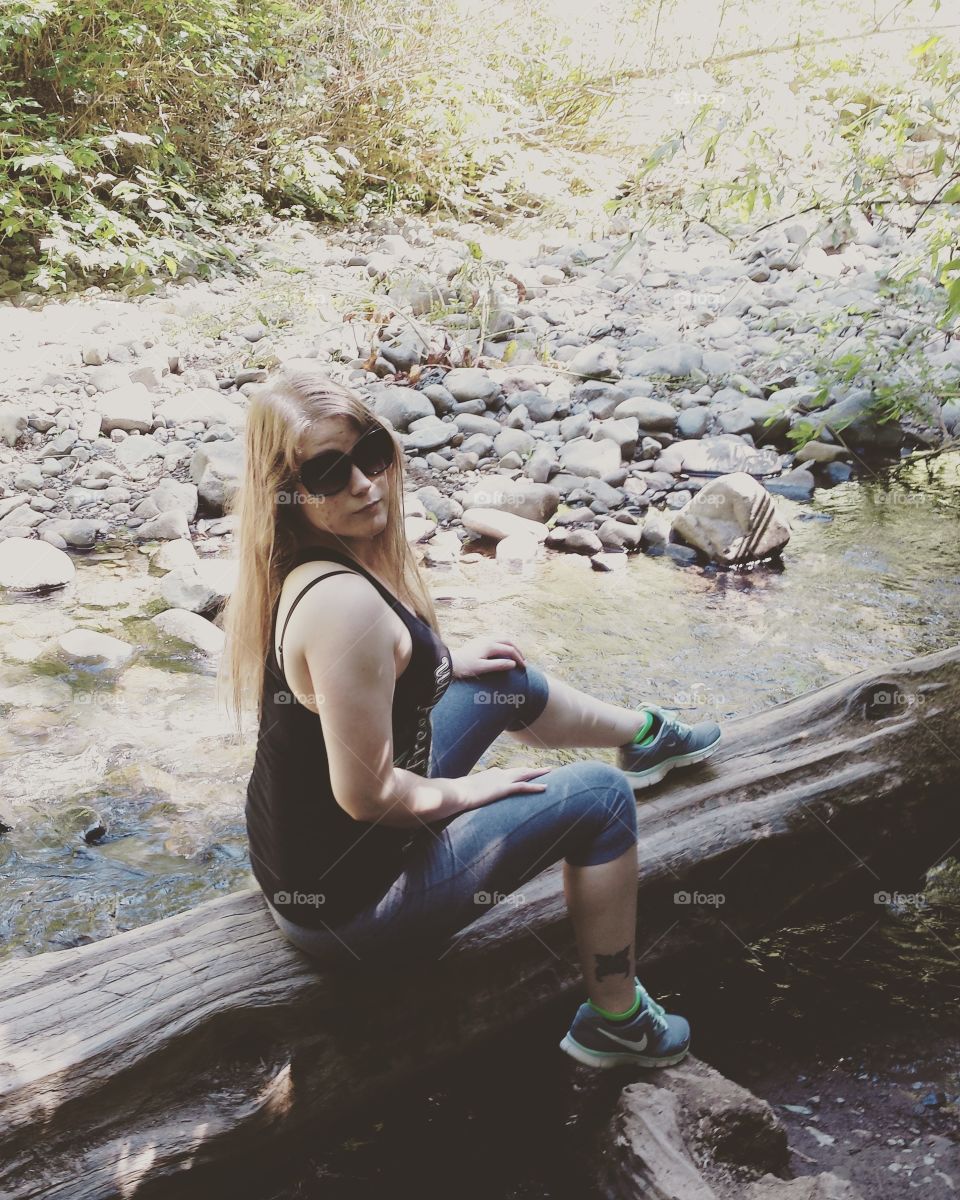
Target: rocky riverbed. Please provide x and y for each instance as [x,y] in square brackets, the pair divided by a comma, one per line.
[547,389]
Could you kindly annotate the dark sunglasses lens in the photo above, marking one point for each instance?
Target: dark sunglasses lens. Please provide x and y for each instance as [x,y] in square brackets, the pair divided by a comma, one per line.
[374,451]
[326,474]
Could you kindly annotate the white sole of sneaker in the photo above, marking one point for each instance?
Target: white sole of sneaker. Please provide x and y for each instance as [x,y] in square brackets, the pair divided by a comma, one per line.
[645,779]
[613,1058]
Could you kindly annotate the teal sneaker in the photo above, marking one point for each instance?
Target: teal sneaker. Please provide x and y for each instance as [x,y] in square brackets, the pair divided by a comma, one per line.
[674,745]
[652,1038]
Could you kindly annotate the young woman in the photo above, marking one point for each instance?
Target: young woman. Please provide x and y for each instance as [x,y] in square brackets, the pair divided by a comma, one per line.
[369,835]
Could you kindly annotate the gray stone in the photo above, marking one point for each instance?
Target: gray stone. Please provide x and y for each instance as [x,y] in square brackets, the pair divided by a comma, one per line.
[533,501]
[650,414]
[430,436]
[27,565]
[13,423]
[797,484]
[516,441]
[493,523]
[204,405]
[470,383]
[191,628]
[401,406]
[692,422]
[216,468]
[583,456]
[677,361]
[87,647]
[594,362]
[721,455]
[853,423]
[168,525]
[731,520]
[623,430]
[616,533]
[128,408]
[134,451]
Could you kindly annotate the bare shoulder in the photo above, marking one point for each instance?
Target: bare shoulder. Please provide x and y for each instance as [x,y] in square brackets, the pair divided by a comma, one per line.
[340,595]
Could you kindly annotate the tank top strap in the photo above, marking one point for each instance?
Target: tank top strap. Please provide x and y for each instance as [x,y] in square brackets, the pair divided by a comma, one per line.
[296,598]
[305,554]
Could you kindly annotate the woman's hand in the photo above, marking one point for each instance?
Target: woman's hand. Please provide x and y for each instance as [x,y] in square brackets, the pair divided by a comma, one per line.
[483,654]
[484,787]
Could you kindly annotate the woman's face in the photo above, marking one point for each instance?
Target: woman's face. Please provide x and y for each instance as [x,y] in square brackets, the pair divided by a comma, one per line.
[360,510]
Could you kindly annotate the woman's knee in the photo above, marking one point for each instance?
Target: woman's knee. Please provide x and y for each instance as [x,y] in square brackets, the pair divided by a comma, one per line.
[527,689]
[612,805]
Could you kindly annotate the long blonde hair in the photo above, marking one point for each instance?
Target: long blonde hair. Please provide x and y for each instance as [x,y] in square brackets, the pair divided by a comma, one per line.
[277,419]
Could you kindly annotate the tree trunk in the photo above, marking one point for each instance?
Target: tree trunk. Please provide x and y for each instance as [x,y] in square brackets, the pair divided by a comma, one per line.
[197,1043]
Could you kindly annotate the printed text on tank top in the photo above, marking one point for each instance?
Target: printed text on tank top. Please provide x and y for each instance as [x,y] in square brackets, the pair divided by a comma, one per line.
[403,650]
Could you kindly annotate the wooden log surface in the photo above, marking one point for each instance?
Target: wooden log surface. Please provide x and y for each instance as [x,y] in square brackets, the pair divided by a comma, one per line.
[165,1059]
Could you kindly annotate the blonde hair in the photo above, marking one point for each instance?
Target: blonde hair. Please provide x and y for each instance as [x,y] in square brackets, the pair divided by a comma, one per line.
[267,533]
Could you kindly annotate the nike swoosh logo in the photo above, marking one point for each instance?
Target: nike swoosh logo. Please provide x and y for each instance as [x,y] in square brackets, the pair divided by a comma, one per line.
[631,1045]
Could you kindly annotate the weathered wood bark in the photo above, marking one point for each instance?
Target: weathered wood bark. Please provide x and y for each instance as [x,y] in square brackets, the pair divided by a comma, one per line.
[691,1134]
[194,1043]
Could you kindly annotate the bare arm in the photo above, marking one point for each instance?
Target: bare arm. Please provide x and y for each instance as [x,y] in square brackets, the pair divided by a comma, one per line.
[348,648]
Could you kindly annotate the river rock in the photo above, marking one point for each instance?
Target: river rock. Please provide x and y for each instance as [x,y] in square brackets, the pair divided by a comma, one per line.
[584,456]
[173,554]
[492,523]
[13,423]
[87,647]
[532,501]
[623,430]
[28,566]
[722,454]
[204,405]
[167,525]
[133,452]
[128,408]
[721,517]
[185,588]
[429,436]
[191,628]
[676,361]
[620,535]
[517,552]
[594,362]
[852,422]
[470,383]
[401,406]
[797,484]
[513,441]
[820,452]
[216,468]
[649,413]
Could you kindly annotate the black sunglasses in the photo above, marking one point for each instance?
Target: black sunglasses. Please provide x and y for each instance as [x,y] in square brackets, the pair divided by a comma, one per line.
[329,472]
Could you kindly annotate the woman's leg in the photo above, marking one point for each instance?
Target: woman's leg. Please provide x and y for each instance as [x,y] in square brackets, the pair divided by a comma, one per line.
[575,718]
[457,869]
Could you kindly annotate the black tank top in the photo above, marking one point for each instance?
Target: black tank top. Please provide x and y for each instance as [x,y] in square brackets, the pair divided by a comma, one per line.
[303,845]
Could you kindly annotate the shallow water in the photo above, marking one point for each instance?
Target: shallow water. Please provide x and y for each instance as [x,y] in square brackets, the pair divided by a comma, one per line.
[871,575]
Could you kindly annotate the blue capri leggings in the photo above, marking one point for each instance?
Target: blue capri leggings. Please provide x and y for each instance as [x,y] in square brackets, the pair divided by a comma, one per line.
[457,867]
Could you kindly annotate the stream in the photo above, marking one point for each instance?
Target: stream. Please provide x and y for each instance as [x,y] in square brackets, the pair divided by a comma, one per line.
[124,798]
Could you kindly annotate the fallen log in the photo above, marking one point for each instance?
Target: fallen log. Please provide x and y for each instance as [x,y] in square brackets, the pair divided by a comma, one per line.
[174,1056]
